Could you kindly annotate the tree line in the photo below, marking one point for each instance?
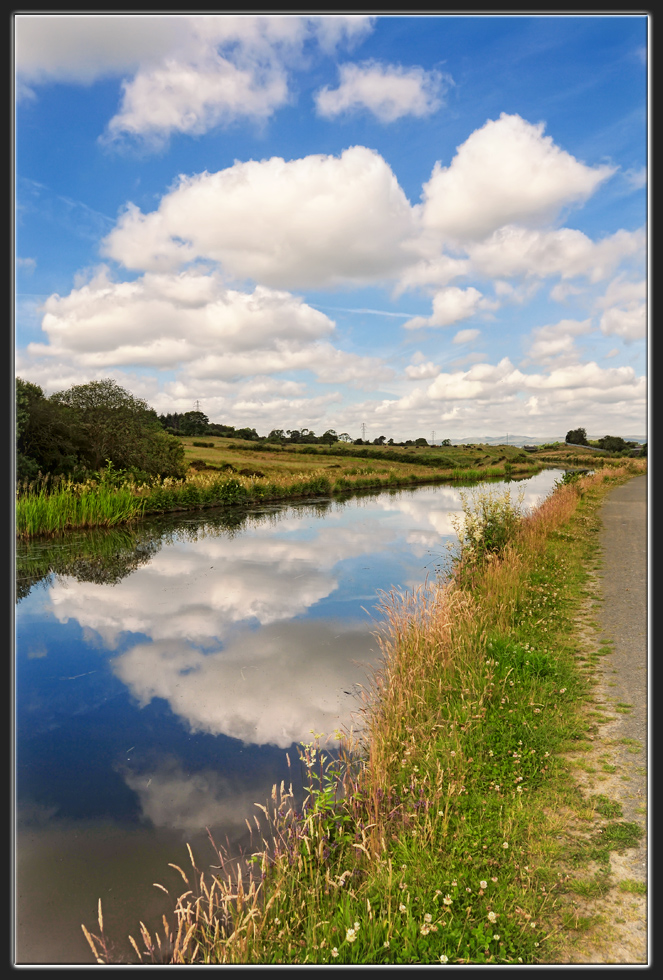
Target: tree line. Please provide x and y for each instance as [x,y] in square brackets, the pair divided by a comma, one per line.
[612,444]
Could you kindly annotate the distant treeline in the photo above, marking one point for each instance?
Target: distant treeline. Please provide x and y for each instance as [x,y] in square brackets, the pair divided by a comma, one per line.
[198,424]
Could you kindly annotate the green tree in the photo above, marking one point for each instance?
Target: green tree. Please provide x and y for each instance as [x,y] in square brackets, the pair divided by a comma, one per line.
[194,424]
[578,437]
[112,425]
[329,437]
[614,444]
[46,440]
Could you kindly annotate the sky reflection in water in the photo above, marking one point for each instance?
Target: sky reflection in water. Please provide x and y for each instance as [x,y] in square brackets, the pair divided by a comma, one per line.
[168,702]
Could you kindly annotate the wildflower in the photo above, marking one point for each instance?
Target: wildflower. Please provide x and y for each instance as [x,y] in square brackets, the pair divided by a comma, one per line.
[496,935]
[453,884]
[493,879]
[452,752]
[492,917]
[505,845]
[444,959]
[402,908]
[334,952]
[483,884]
[532,925]
[357,924]
[447,899]
[428,917]
[425,930]
[350,935]
[386,943]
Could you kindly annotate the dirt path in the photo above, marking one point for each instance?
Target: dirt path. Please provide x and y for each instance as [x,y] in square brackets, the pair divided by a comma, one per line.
[617,764]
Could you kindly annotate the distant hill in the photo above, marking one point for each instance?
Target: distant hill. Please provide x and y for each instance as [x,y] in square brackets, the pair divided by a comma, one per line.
[516,440]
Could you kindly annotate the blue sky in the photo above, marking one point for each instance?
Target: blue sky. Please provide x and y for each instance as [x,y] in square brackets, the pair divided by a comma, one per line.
[414,223]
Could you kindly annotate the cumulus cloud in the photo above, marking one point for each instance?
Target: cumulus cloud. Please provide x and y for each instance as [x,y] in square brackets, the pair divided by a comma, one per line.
[450,305]
[624,309]
[166,320]
[630,324]
[388,91]
[514,251]
[188,73]
[466,336]
[190,321]
[505,173]
[316,221]
[417,372]
[555,341]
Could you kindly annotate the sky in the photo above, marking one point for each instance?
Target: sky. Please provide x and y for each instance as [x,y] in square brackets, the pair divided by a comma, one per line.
[402,225]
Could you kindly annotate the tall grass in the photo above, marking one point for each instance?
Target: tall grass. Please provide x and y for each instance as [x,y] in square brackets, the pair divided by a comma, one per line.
[107,501]
[432,835]
[74,505]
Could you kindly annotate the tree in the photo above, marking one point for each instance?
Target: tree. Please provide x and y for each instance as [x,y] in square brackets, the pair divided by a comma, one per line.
[577,437]
[379,441]
[329,437]
[446,442]
[110,424]
[345,437]
[421,442]
[614,444]
[194,424]
[46,441]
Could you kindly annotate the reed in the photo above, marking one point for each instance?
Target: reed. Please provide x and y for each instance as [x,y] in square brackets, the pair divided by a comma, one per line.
[74,505]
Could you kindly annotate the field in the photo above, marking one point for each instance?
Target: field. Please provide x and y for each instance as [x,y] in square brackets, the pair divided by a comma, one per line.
[343,459]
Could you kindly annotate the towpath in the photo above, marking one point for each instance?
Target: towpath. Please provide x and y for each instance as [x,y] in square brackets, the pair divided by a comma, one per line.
[617,766]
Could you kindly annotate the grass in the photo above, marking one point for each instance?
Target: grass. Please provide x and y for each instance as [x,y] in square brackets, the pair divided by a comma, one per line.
[439,832]
[232,473]
[74,505]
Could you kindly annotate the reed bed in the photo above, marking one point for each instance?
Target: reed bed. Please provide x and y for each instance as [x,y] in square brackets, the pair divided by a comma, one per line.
[74,505]
[432,836]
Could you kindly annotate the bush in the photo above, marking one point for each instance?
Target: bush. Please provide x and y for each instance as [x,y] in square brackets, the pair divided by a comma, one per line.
[490,520]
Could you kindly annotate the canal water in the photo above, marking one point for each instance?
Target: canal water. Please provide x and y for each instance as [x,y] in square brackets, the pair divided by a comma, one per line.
[165,675]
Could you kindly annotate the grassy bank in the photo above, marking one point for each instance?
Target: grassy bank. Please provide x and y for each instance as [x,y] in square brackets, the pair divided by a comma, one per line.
[110,500]
[438,834]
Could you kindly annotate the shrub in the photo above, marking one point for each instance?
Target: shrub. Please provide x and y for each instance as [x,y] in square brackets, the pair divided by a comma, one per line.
[490,520]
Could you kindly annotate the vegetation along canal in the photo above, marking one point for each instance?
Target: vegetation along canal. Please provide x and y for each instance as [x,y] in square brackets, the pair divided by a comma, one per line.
[165,675]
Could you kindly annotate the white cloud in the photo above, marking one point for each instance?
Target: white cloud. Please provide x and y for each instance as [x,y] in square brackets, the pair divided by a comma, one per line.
[514,251]
[556,341]
[417,372]
[438,271]
[466,336]
[625,309]
[79,48]
[191,323]
[165,320]
[188,73]
[450,305]
[315,221]
[388,91]
[185,98]
[630,324]
[505,173]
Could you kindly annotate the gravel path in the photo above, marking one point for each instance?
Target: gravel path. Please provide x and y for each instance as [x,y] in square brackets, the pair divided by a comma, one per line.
[617,765]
